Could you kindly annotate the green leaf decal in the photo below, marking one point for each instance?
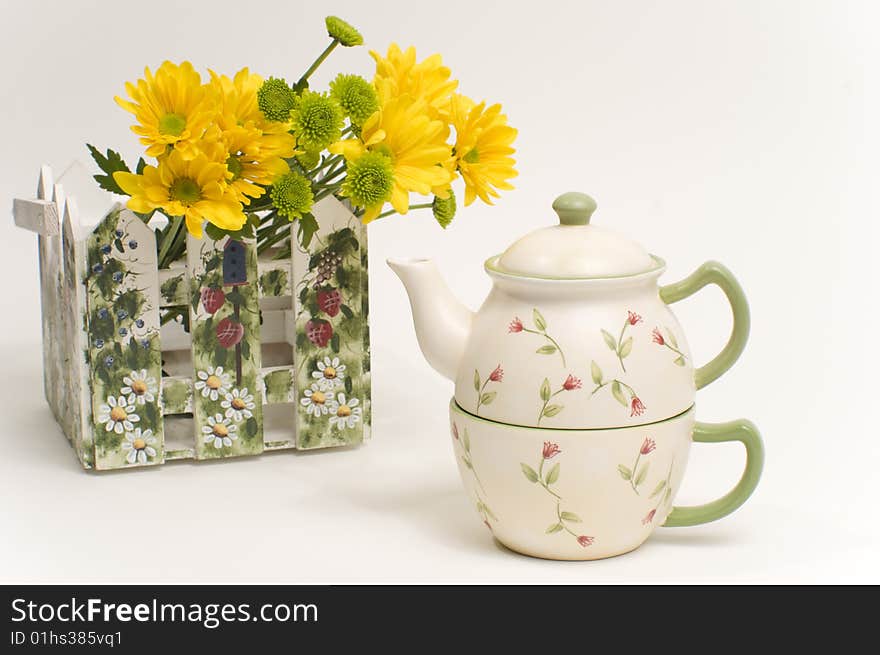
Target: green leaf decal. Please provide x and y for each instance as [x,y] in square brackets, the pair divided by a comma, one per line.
[552,410]
[251,427]
[610,341]
[658,489]
[529,472]
[306,228]
[617,392]
[552,475]
[571,517]
[346,310]
[556,527]
[667,495]
[466,441]
[670,337]
[596,372]
[487,398]
[678,361]
[624,471]
[540,323]
[476,380]
[626,347]
[642,474]
[545,390]
[546,350]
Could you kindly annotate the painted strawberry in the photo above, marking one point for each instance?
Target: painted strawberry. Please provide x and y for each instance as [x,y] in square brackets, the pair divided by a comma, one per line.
[330,302]
[229,332]
[319,332]
[212,299]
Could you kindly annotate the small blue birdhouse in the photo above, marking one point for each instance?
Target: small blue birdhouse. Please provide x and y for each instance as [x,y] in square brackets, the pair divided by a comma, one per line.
[234,273]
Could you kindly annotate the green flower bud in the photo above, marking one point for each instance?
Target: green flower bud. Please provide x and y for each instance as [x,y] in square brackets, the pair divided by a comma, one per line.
[369,180]
[316,119]
[444,209]
[343,32]
[276,99]
[292,195]
[356,96]
[308,160]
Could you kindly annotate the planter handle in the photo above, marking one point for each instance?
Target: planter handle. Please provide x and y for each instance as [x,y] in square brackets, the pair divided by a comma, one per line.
[715,273]
[740,430]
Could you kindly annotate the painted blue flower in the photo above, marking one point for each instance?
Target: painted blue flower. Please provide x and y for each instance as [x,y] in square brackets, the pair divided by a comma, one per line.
[119,233]
[105,249]
[122,332]
[133,244]
[108,361]
[102,313]
[117,276]
[145,343]
[98,268]
[122,314]
[139,322]
[99,343]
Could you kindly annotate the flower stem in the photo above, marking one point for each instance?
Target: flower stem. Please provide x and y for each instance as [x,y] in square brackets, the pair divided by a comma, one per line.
[167,242]
[426,205]
[317,62]
[561,520]
[632,478]
[541,480]
[620,345]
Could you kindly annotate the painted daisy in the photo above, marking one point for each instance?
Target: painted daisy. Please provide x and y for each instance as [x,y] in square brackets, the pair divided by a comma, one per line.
[117,415]
[330,373]
[315,400]
[344,413]
[139,387]
[219,431]
[213,383]
[238,404]
[139,446]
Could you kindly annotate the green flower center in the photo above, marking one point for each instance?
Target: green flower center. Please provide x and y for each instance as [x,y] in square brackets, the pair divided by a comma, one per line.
[172,124]
[275,99]
[292,195]
[472,157]
[234,166]
[317,120]
[356,96]
[369,180]
[185,190]
[338,29]
[444,209]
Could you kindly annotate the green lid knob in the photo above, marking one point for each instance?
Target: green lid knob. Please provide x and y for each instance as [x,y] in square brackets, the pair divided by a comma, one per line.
[574,208]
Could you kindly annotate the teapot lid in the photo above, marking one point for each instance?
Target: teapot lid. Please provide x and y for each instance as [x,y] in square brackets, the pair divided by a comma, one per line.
[574,249]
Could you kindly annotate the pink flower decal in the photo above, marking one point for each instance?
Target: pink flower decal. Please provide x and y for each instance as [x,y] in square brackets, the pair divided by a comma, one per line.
[637,408]
[486,397]
[657,336]
[648,446]
[550,450]
[497,375]
[571,383]
[516,325]
[585,541]
[649,517]
[633,318]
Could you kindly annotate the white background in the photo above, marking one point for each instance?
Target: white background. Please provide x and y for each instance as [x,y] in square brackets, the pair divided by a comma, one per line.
[740,131]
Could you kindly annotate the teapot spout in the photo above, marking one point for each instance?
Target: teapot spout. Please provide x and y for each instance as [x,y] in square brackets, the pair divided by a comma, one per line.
[442,323]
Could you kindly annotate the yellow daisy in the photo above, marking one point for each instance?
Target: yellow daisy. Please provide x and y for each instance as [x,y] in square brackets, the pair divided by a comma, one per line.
[248,162]
[172,108]
[194,188]
[416,145]
[427,80]
[482,149]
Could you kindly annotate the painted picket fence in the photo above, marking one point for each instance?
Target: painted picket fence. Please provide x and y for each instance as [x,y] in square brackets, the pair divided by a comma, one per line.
[263,354]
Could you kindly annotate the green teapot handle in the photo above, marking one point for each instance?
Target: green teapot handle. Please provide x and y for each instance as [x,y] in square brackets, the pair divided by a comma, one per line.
[715,273]
[740,430]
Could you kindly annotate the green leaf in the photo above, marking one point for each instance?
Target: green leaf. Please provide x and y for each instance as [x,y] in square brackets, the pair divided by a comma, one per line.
[335,343]
[306,228]
[552,475]
[245,349]
[529,472]
[540,323]
[346,311]
[476,380]
[552,410]
[118,244]
[617,392]
[626,347]
[556,527]
[678,361]
[624,471]
[571,517]
[596,372]
[488,397]
[658,489]
[349,385]
[546,350]
[251,427]
[111,163]
[141,165]
[610,341]
[670,337]
[545,390]
[466,441]
[642,474]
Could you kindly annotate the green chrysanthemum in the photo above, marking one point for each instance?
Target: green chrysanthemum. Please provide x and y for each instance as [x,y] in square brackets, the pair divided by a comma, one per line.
[316,120]
[343,32]
[292,195]
[368,182]
[444,209]
[276,99]
[356,96]
[308,160]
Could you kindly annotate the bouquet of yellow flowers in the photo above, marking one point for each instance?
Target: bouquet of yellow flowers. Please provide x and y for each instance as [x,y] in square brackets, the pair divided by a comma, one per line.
[245,156]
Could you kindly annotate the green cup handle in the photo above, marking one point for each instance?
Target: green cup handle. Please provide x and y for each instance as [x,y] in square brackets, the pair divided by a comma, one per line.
[739,430]
[718,274]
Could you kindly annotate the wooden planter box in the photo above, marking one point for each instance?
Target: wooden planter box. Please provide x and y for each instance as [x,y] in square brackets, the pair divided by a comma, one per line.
[276,355]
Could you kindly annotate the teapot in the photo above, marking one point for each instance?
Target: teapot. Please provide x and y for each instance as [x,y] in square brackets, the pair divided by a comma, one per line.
[573,411]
